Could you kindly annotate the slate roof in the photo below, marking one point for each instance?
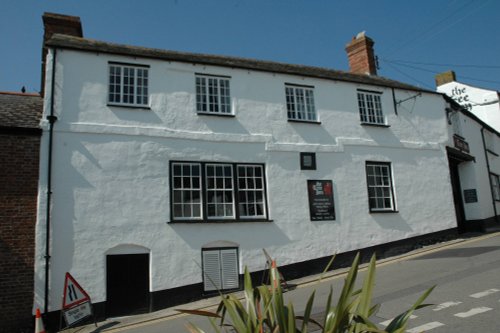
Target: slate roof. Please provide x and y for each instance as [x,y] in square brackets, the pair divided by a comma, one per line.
[18,110]
[90,45]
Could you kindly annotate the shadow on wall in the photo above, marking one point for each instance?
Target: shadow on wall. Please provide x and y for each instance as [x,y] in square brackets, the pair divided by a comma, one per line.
[389,221]
[383,136]
[67,180]
[229,125]
[196,235]
[136,116]
[313,133]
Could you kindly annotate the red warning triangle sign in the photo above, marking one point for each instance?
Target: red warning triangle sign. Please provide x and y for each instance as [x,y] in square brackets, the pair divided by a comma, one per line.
[73,293]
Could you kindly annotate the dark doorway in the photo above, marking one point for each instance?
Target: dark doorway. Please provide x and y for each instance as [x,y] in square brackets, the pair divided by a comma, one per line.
[457,194]
[127,284]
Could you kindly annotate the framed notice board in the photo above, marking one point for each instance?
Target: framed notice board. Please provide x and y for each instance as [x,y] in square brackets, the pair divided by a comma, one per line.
[321,204]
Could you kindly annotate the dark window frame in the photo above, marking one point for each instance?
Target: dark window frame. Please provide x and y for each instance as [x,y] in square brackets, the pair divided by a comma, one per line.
[303,166]
[235,191]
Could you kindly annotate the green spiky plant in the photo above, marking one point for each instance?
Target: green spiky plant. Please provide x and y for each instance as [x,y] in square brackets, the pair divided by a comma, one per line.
[264,311]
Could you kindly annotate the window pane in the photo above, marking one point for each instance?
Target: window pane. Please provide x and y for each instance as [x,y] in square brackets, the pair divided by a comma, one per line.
[379,183]
[248,191]
[370,108]
[300,103]
[186,197]
[212,95]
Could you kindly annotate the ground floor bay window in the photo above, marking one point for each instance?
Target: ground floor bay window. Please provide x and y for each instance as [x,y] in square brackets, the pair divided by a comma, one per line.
[205,191]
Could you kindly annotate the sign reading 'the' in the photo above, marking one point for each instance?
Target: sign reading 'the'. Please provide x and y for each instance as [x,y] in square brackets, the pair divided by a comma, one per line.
[321,204]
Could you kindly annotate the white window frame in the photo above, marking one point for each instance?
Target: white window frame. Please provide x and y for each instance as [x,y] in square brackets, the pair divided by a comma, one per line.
[128,85]
[300,103]
[251,191]
[219,189]
[186,193]
[370,108]
[213,94]
[379,180]
[208,191]
[220,268]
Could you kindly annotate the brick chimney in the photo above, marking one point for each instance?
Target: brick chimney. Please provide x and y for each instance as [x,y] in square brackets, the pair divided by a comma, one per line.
[445,77]
[58,24]
[361,55]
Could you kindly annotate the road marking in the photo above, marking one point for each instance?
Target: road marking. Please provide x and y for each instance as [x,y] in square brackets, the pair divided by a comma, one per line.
[484,293]
[425,327]
[445,305]
[387,322]
[472,312]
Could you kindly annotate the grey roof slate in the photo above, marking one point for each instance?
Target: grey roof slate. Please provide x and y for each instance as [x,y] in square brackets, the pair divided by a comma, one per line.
[20,110]
[90,45]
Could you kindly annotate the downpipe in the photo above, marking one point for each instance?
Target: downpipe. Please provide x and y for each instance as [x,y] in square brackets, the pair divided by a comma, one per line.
[52,119]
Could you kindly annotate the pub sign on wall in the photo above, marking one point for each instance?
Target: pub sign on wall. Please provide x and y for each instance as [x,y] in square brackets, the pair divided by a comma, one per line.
[321,204]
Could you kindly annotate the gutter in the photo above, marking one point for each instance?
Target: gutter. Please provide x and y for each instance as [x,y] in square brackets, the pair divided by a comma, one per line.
[52,119]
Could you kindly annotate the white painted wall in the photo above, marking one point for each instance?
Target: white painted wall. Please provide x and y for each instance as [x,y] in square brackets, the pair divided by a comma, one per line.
[474,174]
[483,103]
[111,177]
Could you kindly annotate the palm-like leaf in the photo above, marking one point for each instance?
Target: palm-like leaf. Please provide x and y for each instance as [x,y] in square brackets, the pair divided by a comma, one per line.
[264,309]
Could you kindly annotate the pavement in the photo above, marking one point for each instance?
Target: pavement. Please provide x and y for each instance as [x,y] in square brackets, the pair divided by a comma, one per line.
[123,323]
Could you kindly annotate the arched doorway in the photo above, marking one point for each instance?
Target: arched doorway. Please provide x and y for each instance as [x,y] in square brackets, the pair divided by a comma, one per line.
[127,281]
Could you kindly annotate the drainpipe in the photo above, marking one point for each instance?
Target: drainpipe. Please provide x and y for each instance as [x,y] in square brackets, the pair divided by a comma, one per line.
[489,178]
[52,119]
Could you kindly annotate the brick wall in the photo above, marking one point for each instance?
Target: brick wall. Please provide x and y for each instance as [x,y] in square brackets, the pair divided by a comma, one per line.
[361,55]
[19,158]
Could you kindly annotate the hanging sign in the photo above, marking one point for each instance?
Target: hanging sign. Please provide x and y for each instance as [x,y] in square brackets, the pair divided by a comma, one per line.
[321,204]
[76,302]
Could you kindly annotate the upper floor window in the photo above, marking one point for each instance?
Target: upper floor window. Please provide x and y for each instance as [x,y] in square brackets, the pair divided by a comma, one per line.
[370,108]
[300,103]
[217,191]
[128,84]
[380,186]
[212,94]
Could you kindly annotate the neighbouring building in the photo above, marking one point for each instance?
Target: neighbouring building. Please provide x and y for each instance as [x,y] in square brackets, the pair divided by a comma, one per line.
[169,172]
[19,162]
[474,161]
[483,103]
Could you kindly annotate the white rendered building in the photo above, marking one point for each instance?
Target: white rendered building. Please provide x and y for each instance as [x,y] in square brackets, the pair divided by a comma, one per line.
[474,161]
[171,171]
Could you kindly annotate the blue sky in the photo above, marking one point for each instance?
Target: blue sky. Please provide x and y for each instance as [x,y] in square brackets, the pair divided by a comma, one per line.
[413,39]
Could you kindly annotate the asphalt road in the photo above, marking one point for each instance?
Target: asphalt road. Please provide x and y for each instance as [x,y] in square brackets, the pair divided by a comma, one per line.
[466,297]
